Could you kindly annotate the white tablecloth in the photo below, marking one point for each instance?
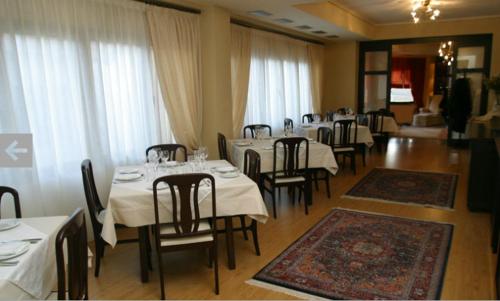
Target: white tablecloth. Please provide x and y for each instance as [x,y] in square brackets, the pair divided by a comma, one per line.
[34,276]
[310,130]
[320,155]
[390,125]
[131,203]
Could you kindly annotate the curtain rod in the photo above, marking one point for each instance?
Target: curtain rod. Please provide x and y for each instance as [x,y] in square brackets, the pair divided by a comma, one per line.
[263,28]
[171,5]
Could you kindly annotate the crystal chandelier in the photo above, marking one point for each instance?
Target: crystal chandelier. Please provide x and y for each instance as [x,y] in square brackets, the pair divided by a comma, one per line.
[423,9]
[446,52]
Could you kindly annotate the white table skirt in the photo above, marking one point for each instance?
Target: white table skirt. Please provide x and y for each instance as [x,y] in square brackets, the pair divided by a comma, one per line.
[310,130]
[320,155]
[34,276]
[131,204]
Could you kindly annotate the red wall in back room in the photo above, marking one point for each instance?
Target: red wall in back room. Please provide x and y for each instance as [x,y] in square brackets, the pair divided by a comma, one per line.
[409,73]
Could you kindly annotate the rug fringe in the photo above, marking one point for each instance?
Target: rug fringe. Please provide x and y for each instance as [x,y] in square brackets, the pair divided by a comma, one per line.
[284,290]
[346,196]
[397,216]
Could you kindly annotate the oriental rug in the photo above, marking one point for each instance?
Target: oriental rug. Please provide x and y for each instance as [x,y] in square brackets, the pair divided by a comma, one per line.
[357,255]
[430,189]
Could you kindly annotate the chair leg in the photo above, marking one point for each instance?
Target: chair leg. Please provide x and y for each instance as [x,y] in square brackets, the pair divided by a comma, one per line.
[160,270]
[99,245]
[274,202]
[316,181]
[210,257]
[255,237]
[216,267]
[150,264]
[327,181]
[363,153]
[243,227]
[353,162]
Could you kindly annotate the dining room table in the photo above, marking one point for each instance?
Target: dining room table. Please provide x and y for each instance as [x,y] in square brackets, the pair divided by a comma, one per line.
[27,257]
[310,130]
[130,203]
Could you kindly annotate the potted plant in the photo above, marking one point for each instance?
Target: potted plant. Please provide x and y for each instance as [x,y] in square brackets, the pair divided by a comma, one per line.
[494,84]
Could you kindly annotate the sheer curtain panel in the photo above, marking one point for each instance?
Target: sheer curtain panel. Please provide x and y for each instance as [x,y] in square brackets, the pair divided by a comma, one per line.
[280,80]
[79,76]
[176,43]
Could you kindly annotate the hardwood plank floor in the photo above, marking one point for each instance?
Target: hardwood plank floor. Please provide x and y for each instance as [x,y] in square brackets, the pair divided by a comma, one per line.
[469,274]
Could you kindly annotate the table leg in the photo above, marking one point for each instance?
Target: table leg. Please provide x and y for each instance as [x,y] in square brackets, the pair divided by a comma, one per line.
[230,243]
[308,188]
[143,252]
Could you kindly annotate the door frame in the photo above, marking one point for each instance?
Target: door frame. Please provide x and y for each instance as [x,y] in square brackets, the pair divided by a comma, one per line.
[485,40]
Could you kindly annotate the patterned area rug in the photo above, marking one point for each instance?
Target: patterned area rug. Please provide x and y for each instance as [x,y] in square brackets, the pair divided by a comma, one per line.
[411,187]
[356,255]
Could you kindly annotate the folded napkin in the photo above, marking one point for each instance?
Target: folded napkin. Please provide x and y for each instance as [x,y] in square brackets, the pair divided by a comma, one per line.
[12,248]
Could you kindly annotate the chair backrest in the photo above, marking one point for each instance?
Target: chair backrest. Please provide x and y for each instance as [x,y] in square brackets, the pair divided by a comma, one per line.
[15,197]
[385,112]
[74,233]
[330,116]
[375,121]
[324,135]
[171,149]
[362,119]
[291,157]
[93,202]
[345,133]
[185,207]
[288,122]
[221,141]
[253,128]
[251,165]
[308,118]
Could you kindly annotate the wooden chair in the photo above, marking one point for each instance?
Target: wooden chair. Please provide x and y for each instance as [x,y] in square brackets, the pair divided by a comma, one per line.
[15,197]
[376,125]
[74,232]
[330,116]
[324,136]
[251,168]
[253,128]
[362,119]
[171,149]
[288,122]
[221,141]
[290,174]
[310,117]
[343,144]
[96,212]
[187,230]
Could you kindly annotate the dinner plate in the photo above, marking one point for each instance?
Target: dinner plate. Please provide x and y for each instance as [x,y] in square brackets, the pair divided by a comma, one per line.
[129,171]
[18,249]
[171,163]
[229,175]
[226,169]
[305,126]
[8,224]
[128,177]
[245,143]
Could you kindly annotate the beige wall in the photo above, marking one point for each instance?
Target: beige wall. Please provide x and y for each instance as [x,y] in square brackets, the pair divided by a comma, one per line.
[216,76]
[337,89]
[340,76]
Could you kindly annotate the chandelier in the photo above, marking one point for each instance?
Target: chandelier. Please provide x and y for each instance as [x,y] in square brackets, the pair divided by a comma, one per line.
[446,52]
[423,9]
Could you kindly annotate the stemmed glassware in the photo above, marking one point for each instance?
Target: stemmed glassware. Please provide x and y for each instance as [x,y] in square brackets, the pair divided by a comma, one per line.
[153,162]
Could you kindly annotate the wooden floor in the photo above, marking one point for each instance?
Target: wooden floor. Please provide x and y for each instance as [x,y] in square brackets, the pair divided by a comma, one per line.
[469,274]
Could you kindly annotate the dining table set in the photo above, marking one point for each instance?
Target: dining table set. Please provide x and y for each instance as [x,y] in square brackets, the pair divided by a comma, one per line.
[27,257]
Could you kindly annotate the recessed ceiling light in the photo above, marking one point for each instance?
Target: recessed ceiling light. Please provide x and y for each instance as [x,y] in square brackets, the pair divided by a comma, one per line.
[304,27]
[319,32]
[260,13]
[284,21]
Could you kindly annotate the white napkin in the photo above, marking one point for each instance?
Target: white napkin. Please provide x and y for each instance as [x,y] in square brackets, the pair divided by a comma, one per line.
[12,248]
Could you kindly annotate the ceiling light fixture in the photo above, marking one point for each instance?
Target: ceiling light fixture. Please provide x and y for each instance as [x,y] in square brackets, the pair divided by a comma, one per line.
[446,52]
[422,9]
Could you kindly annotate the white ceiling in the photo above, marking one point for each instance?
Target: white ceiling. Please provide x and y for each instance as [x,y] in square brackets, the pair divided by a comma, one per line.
[284,9]
[398,11]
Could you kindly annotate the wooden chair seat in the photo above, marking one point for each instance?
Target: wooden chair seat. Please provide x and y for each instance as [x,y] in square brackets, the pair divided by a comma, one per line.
[344,149]
[170,229]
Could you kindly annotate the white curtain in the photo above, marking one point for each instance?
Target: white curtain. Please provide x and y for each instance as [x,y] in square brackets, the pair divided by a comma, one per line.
[79,76]
[280,80]
[176,42]
[240,73]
